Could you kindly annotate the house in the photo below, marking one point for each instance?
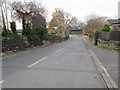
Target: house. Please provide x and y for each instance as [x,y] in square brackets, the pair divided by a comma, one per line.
[78,31]
[114,24]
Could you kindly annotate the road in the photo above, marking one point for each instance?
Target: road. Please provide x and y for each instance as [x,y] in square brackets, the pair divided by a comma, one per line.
[63,65]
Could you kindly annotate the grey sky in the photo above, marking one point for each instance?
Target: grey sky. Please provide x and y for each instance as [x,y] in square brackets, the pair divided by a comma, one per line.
[83,8]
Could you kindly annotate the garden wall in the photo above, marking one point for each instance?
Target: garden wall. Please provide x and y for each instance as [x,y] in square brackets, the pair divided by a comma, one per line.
[110,39]
[20,43]
[110,44]
[17,44]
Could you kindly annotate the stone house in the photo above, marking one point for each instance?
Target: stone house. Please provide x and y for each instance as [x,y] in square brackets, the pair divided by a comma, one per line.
[114,24]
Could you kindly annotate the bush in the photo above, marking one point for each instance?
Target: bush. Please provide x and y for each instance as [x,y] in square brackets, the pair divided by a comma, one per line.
[27,32]
[5,33]
[42,33]
[106,28]
[96,36]
[53,38]
[49,37]
[11,36]
[30,35]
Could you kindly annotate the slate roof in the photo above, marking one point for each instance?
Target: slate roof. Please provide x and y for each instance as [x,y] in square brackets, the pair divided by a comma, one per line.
[114,21]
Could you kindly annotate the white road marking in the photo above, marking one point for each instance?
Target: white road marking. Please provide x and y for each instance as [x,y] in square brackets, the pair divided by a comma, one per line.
[58,50]
[37,62]
[1,82]
[110,78]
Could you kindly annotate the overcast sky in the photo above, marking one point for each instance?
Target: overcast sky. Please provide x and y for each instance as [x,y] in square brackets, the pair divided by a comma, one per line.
[83,8]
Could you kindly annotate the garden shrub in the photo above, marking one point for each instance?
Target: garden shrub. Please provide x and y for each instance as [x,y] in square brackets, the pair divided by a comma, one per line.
[106,28]
[5,33]
[42,33]
[96,36]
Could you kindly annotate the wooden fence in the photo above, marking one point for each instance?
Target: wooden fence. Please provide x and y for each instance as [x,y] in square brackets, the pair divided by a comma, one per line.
[110,36]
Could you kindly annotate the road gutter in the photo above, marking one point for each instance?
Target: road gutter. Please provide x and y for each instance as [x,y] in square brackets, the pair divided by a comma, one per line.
[105,75]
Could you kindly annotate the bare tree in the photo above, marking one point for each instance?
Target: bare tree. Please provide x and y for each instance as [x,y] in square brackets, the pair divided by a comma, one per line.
[64,20]
[94,22]
[4,13]
[3,19]
[58,17]
[29,13]
[67,20]
[82,26]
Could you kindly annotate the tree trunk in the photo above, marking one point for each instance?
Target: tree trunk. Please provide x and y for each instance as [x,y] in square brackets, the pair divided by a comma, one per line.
[23,23]
[13,28]
[6,17]
[96,42]
[3,19]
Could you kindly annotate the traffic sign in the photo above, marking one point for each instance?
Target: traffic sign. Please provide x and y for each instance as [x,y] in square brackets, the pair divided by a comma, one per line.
[55,28]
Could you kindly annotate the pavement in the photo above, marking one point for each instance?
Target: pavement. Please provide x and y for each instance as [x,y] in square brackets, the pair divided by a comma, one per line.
[63,65]
[109,60]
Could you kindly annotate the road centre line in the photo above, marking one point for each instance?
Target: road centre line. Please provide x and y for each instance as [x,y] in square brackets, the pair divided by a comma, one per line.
[1,82]
[42,59]
[37,62]
[58,50]
[67,46]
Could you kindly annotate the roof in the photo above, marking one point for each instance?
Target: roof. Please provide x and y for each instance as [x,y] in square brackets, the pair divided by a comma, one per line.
[114,21]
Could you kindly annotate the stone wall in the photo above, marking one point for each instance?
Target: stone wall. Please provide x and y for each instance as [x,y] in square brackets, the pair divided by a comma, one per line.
[20,43]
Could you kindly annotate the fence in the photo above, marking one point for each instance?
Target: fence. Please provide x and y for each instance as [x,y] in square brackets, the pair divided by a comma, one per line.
[110,36]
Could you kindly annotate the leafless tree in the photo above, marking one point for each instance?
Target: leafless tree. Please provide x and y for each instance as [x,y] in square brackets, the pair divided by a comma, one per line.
[64,20]
[74,22]
[67,20]
[4,13]
[29,12]
[94,22]
[58,19]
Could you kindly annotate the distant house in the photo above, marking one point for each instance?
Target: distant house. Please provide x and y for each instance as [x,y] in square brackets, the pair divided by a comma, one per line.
[114,24]
[78,31]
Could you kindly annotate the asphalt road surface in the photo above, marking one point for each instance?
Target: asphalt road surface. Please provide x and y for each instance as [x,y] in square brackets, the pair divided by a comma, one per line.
[63,65]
